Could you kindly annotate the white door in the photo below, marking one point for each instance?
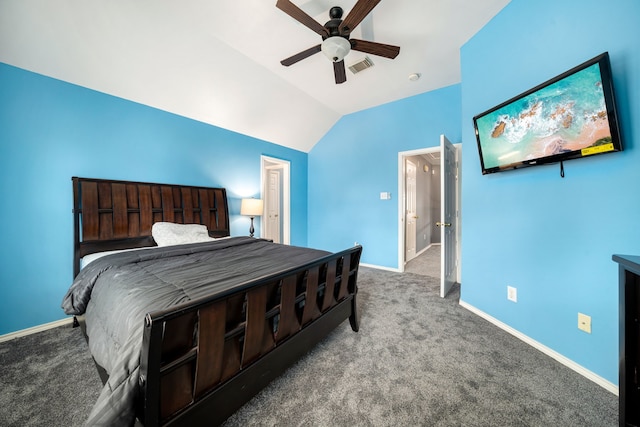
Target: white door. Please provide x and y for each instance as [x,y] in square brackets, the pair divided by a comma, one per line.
[410,210]
[276,197]
[448,217]
[272,210]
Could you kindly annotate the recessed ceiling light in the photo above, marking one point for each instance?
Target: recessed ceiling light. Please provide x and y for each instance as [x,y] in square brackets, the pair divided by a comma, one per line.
[414,76]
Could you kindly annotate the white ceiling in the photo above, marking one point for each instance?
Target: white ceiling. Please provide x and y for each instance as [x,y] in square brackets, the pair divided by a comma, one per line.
[218,61]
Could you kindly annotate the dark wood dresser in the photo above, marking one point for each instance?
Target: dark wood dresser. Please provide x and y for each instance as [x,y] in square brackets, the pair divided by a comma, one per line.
[629,294]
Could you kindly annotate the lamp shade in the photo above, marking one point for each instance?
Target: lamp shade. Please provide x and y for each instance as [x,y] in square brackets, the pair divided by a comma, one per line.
[251,207]
[336,48]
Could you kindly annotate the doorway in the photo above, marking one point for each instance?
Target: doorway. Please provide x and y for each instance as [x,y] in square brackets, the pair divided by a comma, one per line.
[421,200]
[428,206]
[275,175]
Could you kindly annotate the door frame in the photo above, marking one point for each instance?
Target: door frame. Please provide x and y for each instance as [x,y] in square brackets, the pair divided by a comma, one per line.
[401,196]
[267,163]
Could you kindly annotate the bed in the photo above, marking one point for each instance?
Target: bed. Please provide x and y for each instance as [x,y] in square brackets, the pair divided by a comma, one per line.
[185,323]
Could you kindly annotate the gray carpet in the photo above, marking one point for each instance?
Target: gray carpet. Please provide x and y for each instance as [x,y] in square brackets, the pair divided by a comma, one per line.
[426,264]
[47,379]
[417,360]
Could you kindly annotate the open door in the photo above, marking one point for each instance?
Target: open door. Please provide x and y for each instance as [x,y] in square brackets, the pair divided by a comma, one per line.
[448,216]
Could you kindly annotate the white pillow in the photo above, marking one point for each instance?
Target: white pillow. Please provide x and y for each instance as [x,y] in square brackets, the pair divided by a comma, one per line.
[168,233]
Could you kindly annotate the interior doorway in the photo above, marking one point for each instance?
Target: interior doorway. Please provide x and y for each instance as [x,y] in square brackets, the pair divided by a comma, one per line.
[428,209]
[421,202]
[275,221]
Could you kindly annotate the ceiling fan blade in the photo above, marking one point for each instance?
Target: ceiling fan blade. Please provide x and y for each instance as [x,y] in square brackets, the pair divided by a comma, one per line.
[357,14]
[340,72]
[379,49]
[300,56]
[299,15]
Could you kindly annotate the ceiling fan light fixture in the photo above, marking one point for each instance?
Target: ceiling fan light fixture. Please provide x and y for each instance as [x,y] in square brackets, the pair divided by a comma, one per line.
[336,48]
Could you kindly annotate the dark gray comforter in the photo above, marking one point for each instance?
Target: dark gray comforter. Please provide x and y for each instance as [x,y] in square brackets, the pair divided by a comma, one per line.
[115,293]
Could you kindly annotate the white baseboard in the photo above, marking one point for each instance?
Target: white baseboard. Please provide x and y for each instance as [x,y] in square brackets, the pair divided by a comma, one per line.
[606,384]
[422,251]
[35,329]
[379,267]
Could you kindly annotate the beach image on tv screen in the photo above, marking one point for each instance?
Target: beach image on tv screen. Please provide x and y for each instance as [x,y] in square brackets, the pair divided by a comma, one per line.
[565,116]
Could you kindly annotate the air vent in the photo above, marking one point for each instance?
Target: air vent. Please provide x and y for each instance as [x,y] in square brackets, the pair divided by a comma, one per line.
[362,65]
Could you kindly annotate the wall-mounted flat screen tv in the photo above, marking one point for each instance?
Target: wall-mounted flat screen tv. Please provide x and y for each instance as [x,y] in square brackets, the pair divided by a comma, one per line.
[570,116]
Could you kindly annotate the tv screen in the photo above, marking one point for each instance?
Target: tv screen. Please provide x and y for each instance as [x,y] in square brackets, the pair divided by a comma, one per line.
[570,116]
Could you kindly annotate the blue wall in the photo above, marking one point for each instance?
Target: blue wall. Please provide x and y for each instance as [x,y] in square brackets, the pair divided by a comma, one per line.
[552,238]
[51,131]
[358,159]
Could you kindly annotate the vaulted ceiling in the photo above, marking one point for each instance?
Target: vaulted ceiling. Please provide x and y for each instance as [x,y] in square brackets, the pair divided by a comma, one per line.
[218,61]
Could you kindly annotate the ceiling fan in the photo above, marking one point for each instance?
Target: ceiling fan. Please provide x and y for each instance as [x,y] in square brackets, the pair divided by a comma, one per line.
[336,41]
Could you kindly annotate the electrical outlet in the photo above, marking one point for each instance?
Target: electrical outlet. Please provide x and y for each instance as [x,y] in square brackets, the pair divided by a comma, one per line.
[584,323]
[512,294]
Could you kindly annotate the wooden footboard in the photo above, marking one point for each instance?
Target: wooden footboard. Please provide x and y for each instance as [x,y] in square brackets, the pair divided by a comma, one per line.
[202,361]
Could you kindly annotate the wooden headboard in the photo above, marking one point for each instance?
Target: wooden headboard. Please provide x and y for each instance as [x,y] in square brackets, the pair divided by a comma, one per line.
[110,215]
